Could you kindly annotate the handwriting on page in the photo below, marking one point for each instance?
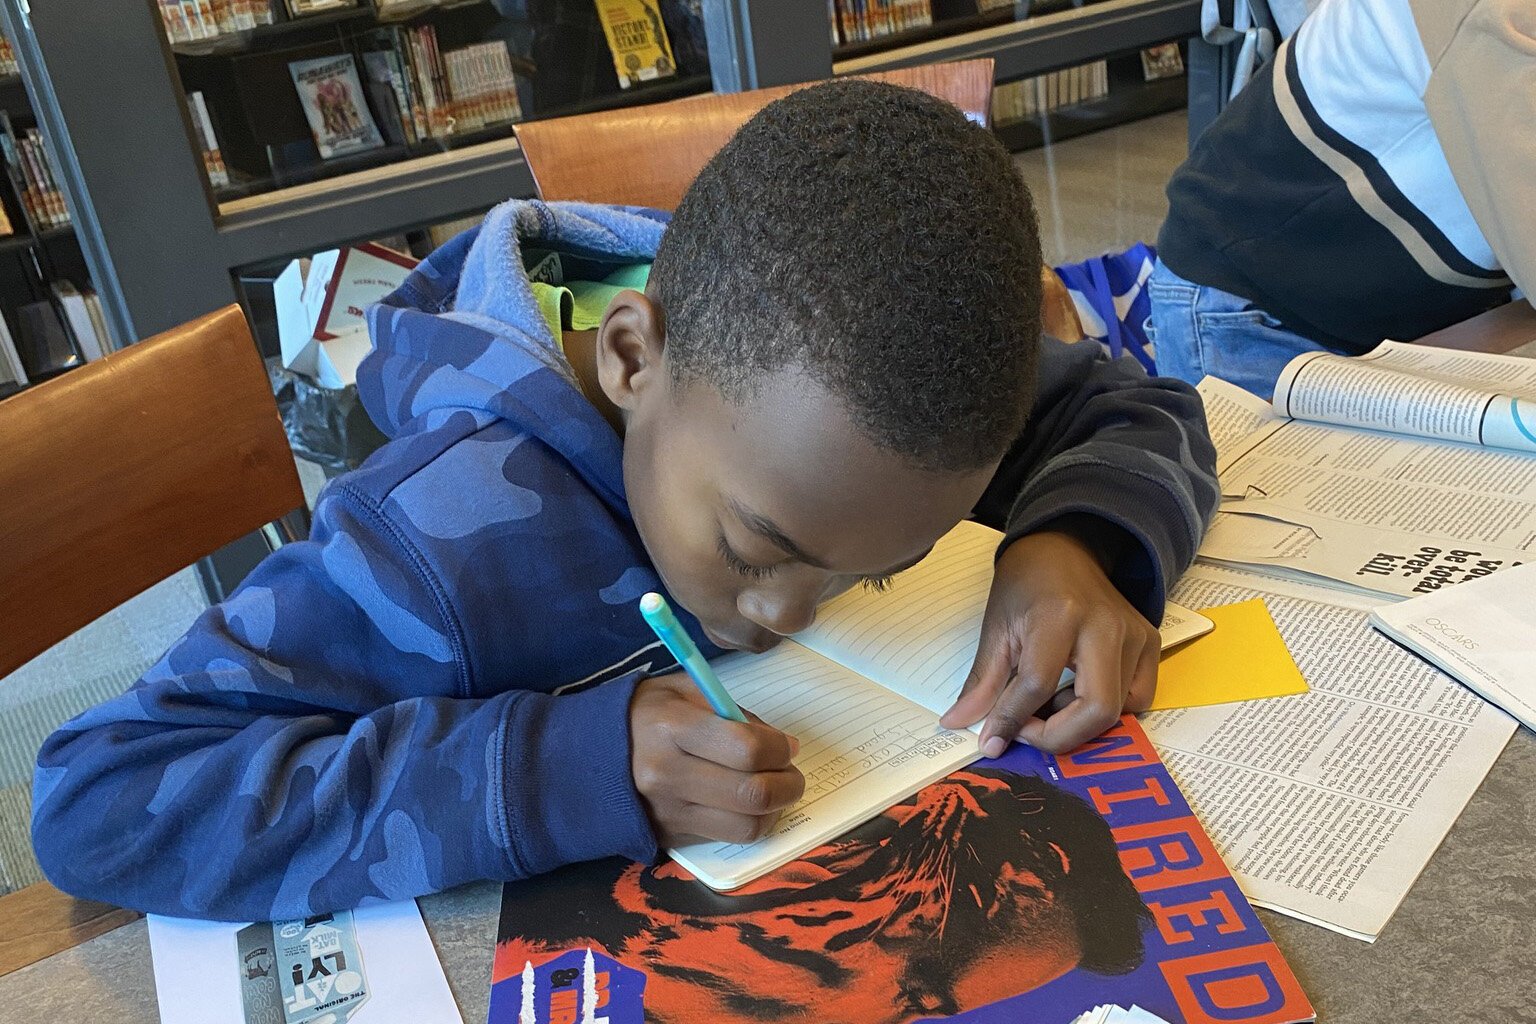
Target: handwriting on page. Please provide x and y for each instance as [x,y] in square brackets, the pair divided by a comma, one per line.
[847,728]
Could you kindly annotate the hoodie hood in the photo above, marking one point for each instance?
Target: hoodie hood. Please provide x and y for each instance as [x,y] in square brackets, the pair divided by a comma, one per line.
[464,332]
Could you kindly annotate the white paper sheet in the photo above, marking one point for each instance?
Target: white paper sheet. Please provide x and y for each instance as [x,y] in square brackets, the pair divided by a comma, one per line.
[197,970]
[1483,634]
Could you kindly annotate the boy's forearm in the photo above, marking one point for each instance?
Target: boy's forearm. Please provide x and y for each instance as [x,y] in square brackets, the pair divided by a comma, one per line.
[314,741]
[168,803]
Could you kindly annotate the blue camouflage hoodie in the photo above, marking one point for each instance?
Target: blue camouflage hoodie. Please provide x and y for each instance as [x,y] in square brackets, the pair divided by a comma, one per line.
[434,688]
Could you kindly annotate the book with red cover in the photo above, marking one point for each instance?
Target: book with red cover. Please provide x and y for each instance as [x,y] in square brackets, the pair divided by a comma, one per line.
[1030,888]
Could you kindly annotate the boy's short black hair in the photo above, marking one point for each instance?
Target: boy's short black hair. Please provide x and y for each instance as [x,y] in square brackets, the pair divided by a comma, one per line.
[876,238]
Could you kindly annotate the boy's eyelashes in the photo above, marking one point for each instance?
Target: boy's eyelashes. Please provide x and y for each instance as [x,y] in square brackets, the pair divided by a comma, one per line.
[746,569]
[741,566]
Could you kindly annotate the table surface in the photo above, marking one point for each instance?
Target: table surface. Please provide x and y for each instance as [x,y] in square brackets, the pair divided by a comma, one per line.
[1460,948]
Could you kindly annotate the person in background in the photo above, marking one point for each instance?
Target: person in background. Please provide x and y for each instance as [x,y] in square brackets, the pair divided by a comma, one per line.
[1375,182]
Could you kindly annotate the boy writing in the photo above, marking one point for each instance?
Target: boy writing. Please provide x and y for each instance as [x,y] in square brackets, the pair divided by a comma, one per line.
[830,365]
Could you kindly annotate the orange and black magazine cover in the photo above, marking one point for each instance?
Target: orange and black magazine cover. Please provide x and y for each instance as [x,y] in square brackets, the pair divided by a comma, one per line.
[1031,888]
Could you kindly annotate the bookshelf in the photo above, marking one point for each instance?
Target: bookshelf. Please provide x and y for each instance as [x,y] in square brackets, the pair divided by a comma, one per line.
[416,79]
[280,203]
[1127,94]
[245,40]
[50,317]
[1055,35]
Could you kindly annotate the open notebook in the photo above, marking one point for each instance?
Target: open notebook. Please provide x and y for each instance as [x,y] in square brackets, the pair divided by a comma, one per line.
[863,690]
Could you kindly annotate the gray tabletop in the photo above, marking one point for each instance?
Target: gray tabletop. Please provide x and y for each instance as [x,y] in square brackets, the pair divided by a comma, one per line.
[1461,948]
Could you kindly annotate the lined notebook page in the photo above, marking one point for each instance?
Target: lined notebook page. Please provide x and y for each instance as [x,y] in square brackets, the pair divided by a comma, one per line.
[919,638]
[862,748]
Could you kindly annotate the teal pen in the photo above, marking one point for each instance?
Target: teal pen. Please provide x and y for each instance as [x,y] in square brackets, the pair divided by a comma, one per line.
[658,615]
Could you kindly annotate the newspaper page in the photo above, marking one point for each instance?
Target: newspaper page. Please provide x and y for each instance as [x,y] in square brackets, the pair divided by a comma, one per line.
[1375,511]
[1327,805]
[1472,397]
[1234,415]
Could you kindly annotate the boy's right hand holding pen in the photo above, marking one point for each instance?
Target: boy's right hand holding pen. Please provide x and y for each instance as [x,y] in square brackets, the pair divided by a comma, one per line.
[702,765]
[703,775]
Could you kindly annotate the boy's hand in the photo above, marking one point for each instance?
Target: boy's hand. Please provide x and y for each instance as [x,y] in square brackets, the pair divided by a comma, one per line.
[702,775]
[1052,607]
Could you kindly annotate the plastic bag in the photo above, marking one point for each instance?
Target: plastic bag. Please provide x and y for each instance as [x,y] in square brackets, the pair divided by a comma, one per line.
[326,426]
[1110,293]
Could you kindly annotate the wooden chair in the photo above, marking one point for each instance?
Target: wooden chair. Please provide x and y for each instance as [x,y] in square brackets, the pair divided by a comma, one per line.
[114,476]
[649,155]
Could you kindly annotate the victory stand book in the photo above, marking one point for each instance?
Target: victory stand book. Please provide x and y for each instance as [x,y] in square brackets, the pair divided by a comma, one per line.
[1032,888]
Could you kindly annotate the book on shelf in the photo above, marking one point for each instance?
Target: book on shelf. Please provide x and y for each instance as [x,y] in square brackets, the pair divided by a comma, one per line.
[858,21]
[637,40]
[189,21]
[86,329]
[414,48]
[1162,61]
[1034,887]
[304,8]
[208,141]
[1029,98]
[31,174]
[332,96]
[482,85]
[9,65]
[13,375]
[386,94]
[421,92]
[42,341]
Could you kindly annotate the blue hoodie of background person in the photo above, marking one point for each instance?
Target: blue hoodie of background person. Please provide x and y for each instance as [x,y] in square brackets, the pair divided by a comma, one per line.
[435,687]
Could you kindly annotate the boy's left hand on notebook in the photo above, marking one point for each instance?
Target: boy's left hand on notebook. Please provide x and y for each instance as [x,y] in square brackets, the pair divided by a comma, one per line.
[1052,607]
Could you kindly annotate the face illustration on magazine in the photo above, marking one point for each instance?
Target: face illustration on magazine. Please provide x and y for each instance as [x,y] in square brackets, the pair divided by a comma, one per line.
[1026,888]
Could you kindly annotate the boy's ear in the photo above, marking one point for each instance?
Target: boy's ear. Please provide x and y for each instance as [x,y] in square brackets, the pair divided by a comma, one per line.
[630,343]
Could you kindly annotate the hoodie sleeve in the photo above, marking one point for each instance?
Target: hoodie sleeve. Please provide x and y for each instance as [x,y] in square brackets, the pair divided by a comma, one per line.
[312,744]
[1124,458]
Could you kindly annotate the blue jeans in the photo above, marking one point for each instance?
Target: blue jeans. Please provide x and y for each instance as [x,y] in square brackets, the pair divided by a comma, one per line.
[1197,330]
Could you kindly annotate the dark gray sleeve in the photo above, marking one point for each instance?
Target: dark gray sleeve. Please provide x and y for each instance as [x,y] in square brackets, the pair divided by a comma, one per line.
[1125,455]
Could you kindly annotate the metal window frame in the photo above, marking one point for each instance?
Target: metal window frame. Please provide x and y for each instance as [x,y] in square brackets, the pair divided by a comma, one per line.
[754,44]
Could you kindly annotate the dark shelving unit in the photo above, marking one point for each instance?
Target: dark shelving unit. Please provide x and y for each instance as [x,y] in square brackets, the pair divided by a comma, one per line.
[1129,99]
[253,38]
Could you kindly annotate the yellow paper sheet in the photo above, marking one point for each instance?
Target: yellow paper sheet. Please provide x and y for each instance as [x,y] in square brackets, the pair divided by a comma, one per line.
[1243,658]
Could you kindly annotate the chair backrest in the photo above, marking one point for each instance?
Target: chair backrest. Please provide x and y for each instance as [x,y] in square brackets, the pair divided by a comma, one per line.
[121,472]
[649,155]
